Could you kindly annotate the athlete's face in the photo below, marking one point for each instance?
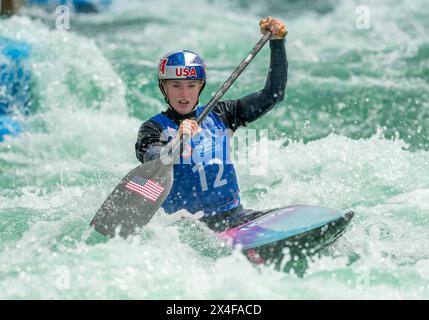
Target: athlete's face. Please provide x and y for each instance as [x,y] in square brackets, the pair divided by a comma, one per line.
[182,94]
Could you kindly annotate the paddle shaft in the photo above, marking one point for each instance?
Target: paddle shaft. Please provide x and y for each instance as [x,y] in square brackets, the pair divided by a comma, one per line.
[228,83]
[222,90]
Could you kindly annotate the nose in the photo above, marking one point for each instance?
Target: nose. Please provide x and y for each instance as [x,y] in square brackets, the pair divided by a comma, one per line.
[184,91]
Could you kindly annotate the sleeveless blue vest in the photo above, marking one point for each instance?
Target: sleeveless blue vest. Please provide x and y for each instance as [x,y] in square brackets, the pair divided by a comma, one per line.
[206,179]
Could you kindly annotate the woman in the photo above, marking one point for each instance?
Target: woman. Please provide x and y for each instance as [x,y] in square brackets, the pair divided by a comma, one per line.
[205,179]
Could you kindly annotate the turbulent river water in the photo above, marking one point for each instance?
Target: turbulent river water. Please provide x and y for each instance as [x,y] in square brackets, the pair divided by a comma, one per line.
[351,133]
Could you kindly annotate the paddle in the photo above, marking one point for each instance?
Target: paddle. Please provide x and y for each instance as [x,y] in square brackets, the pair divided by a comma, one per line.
[143,190]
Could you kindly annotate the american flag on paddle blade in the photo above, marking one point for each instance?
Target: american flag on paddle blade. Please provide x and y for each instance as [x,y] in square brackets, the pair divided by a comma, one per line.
[146,187]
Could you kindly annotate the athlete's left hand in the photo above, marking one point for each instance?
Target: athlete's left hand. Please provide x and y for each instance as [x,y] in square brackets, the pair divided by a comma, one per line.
[276,26]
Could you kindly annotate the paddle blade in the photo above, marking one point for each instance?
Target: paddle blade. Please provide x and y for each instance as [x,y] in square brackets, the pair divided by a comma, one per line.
[135,199]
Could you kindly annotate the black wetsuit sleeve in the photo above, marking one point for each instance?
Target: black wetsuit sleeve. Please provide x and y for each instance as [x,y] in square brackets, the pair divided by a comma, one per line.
[149,144]
[236,113]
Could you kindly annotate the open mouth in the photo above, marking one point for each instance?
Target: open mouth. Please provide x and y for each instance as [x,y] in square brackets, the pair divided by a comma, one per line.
[183,102]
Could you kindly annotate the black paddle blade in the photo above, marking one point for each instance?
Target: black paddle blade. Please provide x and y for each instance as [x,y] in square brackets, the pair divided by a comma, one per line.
[135,199]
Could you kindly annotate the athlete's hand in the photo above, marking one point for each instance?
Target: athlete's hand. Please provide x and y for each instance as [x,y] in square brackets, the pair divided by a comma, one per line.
[276,26]
[189,128]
